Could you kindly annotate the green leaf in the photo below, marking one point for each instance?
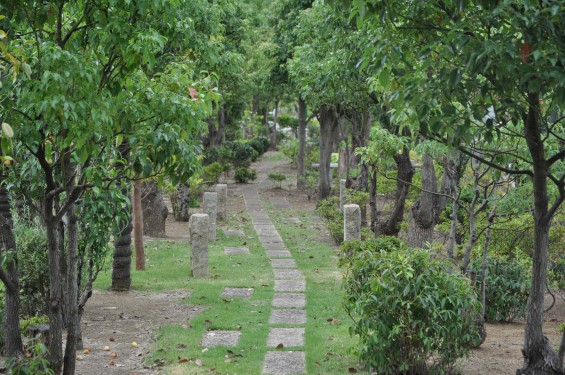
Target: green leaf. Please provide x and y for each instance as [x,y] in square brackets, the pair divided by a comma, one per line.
[7,130]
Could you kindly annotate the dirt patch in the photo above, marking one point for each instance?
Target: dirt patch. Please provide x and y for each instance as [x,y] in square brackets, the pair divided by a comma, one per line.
[118,319]
[501,353]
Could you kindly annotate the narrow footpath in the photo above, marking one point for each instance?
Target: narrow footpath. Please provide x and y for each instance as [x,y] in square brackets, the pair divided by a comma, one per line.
[288,314]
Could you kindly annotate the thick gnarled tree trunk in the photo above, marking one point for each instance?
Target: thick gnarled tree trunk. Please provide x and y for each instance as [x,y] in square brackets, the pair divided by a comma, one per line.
[422,215]
[391,227]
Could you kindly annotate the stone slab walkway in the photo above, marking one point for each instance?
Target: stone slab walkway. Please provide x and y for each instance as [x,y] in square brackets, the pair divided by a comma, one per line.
[289,301]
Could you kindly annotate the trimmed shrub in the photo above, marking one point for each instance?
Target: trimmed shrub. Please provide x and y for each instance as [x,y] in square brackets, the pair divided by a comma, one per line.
[212,172]
[245,175]
[260,144]
[411,315]
[507,289]
[277,178]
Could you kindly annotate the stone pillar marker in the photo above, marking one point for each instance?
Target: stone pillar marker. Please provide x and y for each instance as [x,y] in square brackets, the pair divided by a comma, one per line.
[210,207]
[351,222]
[198,226]
[342,193]
[222,210]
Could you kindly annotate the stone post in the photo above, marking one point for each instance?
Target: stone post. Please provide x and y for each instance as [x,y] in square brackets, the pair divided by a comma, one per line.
[222,208]
[342,193]
[198,225]
[210,207]
[351,222]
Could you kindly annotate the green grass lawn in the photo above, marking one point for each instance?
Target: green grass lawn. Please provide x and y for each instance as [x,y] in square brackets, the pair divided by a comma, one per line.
[327,339]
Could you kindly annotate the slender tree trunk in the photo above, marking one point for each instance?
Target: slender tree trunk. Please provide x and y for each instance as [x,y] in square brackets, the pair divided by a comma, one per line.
[422,219]
[55,312]
[121,265]
[72,292]
[273,129]
[391,227]
[221,125]
[10,278]
[539,356]
[181,211]
[138,227]
[373,199]
[328,132]
[301,175]
[452,239]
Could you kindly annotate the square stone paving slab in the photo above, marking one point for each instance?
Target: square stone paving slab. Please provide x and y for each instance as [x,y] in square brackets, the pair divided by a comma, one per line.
[274,245]
[220,338]
[287,273]
[233,232]
[283,263]
[289,300]
[266,230]
[236,251]
[286,336]
[266,238]
[294,317]
[244,293]
[278,254]
[284,363]
[290,285]
[294,220]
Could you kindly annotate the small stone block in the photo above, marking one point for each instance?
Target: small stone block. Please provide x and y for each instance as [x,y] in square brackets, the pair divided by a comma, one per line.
[284,363]
[283,263]
[289,300]
[220,338]
[290,285]
[286,336]
[272,239]
[294,220]
[287,273]
[278,254]
[236,251]
[233,232]
[287,317]
[244,293]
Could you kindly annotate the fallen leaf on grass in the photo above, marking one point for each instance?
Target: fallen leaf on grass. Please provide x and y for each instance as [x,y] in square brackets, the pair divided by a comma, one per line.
[186,326]
[280,346]
[352,370]
[183,360]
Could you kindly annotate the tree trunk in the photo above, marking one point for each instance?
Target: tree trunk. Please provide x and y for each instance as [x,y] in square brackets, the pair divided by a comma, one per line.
[539,356]
[10,278]
[181,211]
[421,221]
[72,293]
[154,210]
[121,264]
[301,175]
[138,227]
[55,312]
[391,227]
[452,239]
[273,129]
[328,133]
[373,199]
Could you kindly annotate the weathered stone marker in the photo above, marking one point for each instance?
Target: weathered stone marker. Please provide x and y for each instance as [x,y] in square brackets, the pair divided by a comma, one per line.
[351,222]
[198,226]
[210,208]
[222,207]
[342,193]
